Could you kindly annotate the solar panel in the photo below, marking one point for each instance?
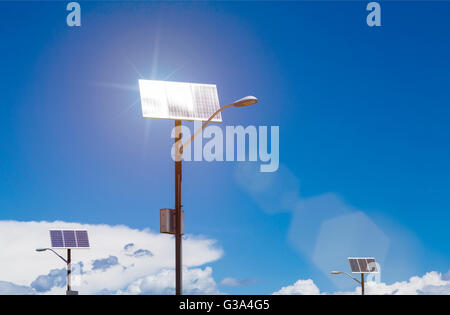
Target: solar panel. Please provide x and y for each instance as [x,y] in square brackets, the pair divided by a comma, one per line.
[179,100]
[69,239]
[363,265]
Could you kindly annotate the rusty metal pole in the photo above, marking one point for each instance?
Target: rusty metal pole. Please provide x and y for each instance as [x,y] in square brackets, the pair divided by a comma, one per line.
[69,270]
[362,283]
[178,238]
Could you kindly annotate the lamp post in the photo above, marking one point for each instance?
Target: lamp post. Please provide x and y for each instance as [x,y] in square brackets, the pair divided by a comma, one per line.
[353,278]
[69,269]
[246,101]
[181,101]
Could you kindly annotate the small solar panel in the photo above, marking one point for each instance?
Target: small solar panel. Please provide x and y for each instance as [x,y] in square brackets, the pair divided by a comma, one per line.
[179,100]
[363,265]
[69,239]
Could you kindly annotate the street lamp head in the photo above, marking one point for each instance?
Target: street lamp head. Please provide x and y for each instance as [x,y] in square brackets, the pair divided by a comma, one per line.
[246,101]
[335,272]
[41,249]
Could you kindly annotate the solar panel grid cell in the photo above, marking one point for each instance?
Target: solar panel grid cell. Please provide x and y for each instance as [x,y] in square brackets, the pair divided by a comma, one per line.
[363,265]
[56,238]
[354,265]
[82,238]
[69,238]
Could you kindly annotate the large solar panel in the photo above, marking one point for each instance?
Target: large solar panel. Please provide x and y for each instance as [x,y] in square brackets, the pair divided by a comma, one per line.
[363,265]
[69,238]
[179,100]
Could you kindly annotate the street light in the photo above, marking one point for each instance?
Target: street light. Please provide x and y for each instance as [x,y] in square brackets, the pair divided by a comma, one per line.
[182,101]
[360,265]
[67,239]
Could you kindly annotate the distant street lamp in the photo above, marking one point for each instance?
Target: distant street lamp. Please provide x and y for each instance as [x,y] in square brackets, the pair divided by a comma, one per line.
[360,265]
[181,101]
[67,239]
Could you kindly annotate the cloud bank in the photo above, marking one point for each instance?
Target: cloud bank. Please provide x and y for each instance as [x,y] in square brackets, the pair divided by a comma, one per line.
[130,261]
[121,260]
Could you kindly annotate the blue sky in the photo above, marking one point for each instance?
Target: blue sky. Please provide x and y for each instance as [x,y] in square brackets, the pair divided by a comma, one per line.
[363,115]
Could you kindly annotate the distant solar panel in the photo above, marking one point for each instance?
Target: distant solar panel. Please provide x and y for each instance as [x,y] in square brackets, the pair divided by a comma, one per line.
[362,265]
[179,100]
[69,239]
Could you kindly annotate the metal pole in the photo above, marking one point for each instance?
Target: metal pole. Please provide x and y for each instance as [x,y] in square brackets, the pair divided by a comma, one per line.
[68,270]
[362,284]
[178,239]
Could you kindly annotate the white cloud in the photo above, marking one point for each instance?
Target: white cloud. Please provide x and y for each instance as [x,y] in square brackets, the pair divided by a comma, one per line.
[55,278]
[120,258]
[430,283]
[233,282]
[301,287]
[230,282]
